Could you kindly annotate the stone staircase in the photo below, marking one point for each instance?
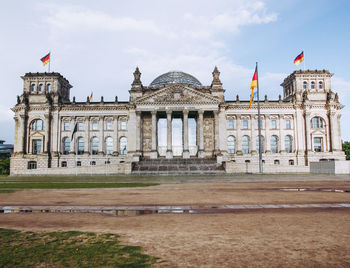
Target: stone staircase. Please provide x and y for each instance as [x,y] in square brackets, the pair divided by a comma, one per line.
[177,166]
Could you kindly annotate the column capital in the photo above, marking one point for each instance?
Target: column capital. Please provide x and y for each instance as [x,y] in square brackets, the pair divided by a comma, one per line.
[200,112]
[185,111]
[169,112]
[138,113]
[154,112]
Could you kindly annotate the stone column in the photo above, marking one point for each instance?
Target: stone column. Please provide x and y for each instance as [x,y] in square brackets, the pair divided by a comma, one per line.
[72,148]
[186,152]
[238,140]
[115,136]
[46,145]
[86,135]
[336,138]
[169,151]
[101,134]
[216,133]
[138,131]
[22,134]
[154,153]
[201,134]
[282,147]
[307,132]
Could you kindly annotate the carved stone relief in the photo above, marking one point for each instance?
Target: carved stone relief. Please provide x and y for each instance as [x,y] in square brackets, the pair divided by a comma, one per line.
[208,133]
[147,133]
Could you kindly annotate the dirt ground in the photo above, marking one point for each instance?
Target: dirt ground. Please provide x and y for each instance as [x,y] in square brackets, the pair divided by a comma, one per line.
[307,238]
[264,238]
[216,193]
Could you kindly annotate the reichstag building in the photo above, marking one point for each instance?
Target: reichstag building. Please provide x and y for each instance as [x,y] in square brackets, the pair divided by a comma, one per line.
[175,125]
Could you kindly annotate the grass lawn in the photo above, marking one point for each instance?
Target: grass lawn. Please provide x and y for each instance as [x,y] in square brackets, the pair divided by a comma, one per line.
[68,185]
[68,249]
[6,191]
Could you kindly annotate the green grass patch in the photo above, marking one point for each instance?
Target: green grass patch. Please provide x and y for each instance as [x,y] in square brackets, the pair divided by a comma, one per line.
[2,191]
[68,249]
[69,185]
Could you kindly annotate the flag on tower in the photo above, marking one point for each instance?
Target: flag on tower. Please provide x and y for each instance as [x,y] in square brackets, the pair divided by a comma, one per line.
[45,60]
[253,85]
[299,58]
[91,96]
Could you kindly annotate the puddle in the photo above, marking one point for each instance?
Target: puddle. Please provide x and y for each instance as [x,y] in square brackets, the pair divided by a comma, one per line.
[127,211]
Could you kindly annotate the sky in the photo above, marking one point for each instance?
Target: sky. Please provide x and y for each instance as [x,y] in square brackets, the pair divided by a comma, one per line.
[97,45]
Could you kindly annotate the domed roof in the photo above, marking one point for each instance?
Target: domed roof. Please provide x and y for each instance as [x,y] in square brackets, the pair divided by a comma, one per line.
[175,77]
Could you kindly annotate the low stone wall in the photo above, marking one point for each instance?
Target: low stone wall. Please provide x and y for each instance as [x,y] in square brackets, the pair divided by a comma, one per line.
[330,167]
[121,168]
[234,167]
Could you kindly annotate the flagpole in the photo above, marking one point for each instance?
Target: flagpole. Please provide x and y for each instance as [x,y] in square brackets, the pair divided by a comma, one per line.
[304,60]
[259,123]
[49,60]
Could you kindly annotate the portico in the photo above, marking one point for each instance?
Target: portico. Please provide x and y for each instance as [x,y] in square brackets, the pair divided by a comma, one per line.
[177,133]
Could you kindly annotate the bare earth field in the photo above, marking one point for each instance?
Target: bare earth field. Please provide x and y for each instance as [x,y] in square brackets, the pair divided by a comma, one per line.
[264,238]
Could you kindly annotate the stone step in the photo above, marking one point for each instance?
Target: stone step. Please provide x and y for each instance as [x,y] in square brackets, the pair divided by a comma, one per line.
[177,166]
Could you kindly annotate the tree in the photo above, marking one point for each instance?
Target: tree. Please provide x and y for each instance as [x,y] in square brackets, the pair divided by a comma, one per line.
[346,149]
[4,165]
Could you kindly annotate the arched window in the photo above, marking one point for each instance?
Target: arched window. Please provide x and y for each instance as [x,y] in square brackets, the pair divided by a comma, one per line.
[123,145]
[274,144]
[38,124]
[245,144]
[262,144]
[94,145]
[33,88]
[41,87]
[320,85]
[231,145]
[66,145]
[305,85]
[316,122]
[109,145]
[48,87]
[288,143]
[80,145]
[312,85]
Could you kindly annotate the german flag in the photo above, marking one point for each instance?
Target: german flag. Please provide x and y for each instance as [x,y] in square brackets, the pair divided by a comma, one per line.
[253,85]
[299,58]
[45,60]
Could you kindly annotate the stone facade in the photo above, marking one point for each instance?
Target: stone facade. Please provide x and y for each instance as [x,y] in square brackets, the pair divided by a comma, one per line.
[57,135]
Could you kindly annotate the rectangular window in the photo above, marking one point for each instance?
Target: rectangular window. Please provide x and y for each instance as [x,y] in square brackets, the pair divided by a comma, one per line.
[318,144]
[78,163]
[123,125]
[36,146]
[109,125]
[94,125]
[273,124]
[64,164]
[80,126]
[231,124]
[245,124]
[66,126]
[31,165]
[288,126]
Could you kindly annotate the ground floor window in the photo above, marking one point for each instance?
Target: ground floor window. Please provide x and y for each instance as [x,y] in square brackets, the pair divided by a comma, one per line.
[78,163]
[32,165]
[36,146]
[318,144]
[64,164]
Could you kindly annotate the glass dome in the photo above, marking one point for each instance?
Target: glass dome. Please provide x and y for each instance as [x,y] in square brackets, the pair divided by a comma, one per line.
[175,77]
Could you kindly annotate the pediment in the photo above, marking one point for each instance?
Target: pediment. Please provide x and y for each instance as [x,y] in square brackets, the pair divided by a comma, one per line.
[178,94]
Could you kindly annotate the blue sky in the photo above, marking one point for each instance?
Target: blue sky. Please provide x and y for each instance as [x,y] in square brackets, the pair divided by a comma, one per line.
[96,45]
